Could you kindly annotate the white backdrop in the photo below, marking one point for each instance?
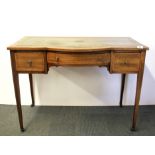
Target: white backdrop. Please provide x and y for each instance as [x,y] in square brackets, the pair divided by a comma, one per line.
[77,86]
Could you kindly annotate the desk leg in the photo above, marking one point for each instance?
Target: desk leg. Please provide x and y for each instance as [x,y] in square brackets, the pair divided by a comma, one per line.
[122,89]
[138,92]
[31,88]
[18,100]
[137,98]
[17,92]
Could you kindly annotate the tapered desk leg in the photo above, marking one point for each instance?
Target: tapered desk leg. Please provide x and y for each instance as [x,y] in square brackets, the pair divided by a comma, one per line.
[17,93]
[137,98]
[32,91]
[138,92]
[122,89]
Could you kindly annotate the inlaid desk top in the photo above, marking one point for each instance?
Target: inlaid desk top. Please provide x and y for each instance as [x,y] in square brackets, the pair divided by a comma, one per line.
[80,44]
[37,54]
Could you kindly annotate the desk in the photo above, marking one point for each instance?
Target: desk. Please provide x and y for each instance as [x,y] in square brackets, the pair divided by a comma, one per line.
[37,54]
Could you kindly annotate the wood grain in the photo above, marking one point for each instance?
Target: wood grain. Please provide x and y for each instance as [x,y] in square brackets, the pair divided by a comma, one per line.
[125,62]
[78,59]
[138,90]
[17,91]
[30,61]
[77,44]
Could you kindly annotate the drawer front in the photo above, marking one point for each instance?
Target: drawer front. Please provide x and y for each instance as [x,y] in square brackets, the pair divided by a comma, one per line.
[30,61]
[125,62]
[78,59]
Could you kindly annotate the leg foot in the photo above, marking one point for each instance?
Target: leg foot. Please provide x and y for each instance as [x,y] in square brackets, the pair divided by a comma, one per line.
[133,129]
[22,130]
[32,105]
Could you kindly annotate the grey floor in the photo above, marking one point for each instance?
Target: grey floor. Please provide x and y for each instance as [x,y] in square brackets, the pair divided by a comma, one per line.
[78,121]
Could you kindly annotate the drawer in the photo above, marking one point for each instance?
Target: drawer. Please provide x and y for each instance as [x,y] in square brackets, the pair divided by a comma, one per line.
[30,61]
[78,59]
[125,62]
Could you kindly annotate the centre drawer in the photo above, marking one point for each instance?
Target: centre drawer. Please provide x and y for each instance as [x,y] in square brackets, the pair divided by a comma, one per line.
[30,61]
[100,59]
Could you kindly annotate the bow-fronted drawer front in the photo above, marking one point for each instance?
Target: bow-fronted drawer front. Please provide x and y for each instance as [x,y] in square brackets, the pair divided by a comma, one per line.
[125,62]
[30,61]
[78,59]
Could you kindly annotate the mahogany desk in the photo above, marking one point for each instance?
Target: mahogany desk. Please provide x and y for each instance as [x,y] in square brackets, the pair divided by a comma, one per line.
[118,54]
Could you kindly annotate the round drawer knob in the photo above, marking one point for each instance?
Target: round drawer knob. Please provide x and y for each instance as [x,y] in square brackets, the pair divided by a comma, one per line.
[57,59]
[29,62]
[125,63]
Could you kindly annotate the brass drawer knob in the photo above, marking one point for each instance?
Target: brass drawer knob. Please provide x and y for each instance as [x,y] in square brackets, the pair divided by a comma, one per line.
[125,62]
[29,62]
[57,59]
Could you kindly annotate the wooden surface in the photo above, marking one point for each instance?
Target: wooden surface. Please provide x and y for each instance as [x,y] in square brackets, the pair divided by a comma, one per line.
[17,91]
[77,44]
[125,62]
[138,90]
[27,61]
[61,59]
